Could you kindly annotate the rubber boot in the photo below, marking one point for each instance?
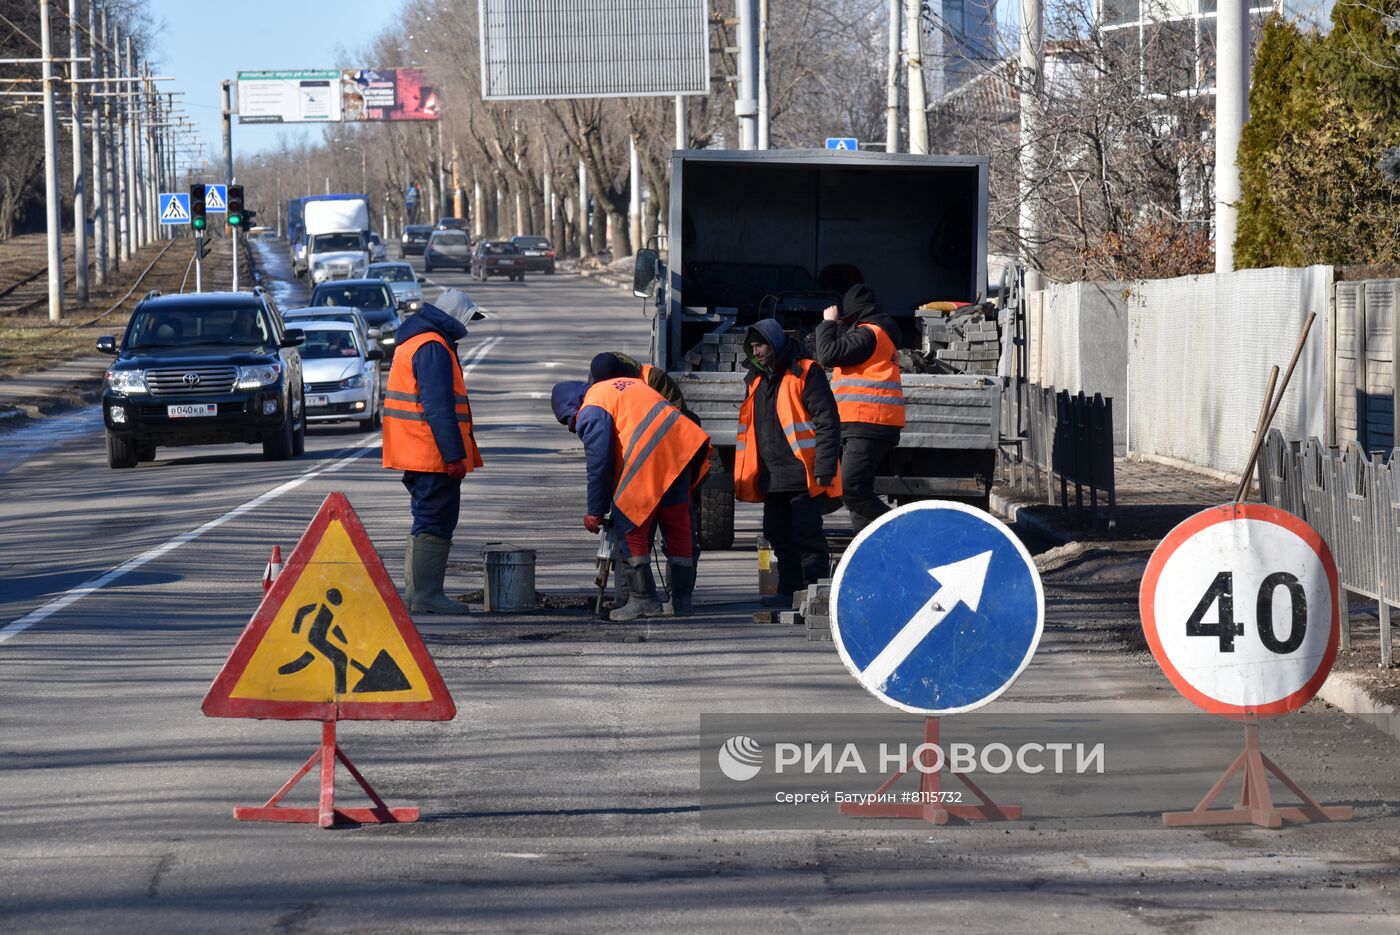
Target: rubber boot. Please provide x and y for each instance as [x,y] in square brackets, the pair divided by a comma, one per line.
[682,590]
[407,569]
[428,569]
[641,588]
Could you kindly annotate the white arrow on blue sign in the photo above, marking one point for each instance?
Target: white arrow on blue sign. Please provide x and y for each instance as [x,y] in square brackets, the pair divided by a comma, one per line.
[215,198]
[937,608]
[174,207]
[842,142]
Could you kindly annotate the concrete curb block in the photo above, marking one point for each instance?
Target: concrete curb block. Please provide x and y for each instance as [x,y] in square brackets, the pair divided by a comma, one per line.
[1018,512]
[1345,690]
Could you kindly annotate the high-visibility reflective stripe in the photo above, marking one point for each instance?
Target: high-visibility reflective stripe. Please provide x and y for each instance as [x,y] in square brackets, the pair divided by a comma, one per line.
[867,398]
[656,410]
[800,427]
[804,443]
[391,413]
[740,445]
[646,451]
[400,397]
[868,384]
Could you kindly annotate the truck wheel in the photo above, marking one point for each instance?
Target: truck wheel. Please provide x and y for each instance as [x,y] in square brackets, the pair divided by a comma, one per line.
[716,531]
[120,453]
[280,446]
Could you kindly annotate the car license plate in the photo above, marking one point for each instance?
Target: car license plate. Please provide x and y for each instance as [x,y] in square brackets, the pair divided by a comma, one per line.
[534,253]
[316,402]
[507,262]
[192,412]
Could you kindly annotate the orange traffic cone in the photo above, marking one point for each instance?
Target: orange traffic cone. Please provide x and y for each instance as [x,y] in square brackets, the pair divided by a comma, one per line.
[274,567]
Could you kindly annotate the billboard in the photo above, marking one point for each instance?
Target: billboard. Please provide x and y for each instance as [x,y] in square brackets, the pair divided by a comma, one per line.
[593,48]
[306,96]
[388,94]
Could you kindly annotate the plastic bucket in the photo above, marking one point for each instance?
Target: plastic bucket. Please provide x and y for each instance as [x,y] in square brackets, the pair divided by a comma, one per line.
[510,577]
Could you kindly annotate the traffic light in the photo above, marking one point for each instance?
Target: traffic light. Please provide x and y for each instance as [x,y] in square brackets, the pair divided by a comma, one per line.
[197,220]
[236,217]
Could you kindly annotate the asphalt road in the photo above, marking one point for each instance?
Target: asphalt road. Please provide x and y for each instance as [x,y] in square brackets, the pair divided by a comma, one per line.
[566,795]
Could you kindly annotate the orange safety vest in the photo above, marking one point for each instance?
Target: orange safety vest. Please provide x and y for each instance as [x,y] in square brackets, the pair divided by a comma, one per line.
[408,439]
[870,391]
[653,444]
[797,427]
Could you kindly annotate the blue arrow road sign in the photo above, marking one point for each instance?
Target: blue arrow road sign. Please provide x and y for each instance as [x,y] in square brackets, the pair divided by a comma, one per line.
[937,608]
[842,142]
[215,198]
[411,195]
[174,207]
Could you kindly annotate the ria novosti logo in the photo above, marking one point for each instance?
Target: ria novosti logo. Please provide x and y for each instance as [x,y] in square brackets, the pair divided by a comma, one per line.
[740,758]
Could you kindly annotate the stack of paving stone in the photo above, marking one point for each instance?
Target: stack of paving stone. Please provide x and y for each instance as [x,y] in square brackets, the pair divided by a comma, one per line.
[718,353]
[965,341]
[815,612]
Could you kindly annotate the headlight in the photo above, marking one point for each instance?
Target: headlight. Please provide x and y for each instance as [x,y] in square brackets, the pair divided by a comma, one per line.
[128,382]
[251,378]
[353,383]
[414,305]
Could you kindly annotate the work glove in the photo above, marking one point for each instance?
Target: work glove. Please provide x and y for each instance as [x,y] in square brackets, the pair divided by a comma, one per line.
[824,481]
[592,523]
[457,470]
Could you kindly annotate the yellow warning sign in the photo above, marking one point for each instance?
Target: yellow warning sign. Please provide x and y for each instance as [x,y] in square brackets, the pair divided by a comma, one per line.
[332,639]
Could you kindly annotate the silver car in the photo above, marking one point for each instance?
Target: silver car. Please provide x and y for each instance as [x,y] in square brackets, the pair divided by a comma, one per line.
[448,248]
[345,313]
[340,375]
[402,279]
[377,250]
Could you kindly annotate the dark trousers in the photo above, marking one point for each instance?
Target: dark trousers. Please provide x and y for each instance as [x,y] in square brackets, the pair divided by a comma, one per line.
[860,459]
[792,523]
[435,500]
[672,514]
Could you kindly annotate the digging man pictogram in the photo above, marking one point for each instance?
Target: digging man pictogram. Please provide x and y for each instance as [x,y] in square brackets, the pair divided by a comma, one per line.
[382,675]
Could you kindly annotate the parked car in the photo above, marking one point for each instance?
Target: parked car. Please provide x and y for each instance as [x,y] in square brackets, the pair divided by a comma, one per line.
[403,280]
[341,374]
[451,224]
[377,250]
[354,316]
[447,248]
[414,239]
[498,258]
[204,369]
[538,252]
[374,299]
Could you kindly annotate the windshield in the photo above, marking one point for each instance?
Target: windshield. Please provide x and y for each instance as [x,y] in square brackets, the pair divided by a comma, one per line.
[321,316]
[532,243]
[496,249]
[450,240]
[322,344]
[363,296]
[187,327]
[322,243]
[393,273]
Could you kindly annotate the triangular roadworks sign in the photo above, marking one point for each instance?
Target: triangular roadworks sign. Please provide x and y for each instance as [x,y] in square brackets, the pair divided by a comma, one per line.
[331,639]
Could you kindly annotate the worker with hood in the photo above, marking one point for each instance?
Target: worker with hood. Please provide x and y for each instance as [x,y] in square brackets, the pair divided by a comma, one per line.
[428,436]
[645,460]
[860,343]
[787,455]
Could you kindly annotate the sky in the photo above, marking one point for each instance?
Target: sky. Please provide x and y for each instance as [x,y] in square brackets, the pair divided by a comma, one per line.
[201,44]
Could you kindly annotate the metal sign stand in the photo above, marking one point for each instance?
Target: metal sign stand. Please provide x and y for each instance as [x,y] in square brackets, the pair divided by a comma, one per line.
[326,814]
[199,262]
[1256,803]
[931,803]
[234,232]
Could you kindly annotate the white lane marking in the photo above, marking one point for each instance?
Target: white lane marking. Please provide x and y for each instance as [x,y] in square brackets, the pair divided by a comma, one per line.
[478,355]
[96,584]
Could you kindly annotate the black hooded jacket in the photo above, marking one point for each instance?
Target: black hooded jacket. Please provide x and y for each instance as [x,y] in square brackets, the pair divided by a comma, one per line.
[844,343]
[780,471]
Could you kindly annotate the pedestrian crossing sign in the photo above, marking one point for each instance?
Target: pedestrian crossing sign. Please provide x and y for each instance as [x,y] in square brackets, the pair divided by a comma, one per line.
[848,143]
[215,199]
[331,639]
[174,208]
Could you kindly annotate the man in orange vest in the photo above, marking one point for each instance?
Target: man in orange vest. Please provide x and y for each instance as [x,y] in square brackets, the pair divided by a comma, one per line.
[428,436]
[787,455]
[644,460]
[861,344]
[618,364]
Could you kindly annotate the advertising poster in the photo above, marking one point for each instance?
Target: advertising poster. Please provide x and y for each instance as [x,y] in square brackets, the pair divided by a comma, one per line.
[304,96]
[387,94]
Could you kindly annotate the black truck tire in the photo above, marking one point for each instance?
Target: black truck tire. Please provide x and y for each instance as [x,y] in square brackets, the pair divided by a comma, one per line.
[716,532]
[121,453]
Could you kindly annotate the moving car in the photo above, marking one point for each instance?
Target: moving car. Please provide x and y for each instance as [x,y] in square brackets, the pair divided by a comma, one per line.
[204,369]
[377,250]
[374,300]
[262,233]
[448,248]
[296,316]
[452,224]
[341,374]
[498,258]
[414,239]
[403,281]
[538,252]
[339,255]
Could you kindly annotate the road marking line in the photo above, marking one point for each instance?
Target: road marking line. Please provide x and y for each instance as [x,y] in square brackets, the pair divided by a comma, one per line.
[478,355]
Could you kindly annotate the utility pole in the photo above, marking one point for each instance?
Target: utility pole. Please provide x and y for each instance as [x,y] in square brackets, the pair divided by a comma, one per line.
[634,200]
[682,132]
[1032,68]
[918,106]
[441,174]
[762,74]
[746,101]
[892,82]
[99,160]
[549,193]
[584,233]
[54,224]
[116,236]
[228,132]
[133,154]
[1231,111]
[80,195]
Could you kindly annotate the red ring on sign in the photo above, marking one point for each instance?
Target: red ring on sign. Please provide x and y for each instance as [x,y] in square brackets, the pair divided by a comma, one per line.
[1147,593]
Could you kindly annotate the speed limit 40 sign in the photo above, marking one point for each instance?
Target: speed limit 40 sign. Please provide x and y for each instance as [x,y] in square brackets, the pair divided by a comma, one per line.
[1239,606]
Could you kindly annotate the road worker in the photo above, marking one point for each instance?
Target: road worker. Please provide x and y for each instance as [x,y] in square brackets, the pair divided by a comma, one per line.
[617,364]
[644,461]
[861,343]
[428,436]
[787,455]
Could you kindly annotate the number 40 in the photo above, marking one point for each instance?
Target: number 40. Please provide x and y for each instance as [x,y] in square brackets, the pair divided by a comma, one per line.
[1225,629]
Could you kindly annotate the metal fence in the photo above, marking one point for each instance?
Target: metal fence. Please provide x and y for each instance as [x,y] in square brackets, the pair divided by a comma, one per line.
[1353,501]
[1062,440]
